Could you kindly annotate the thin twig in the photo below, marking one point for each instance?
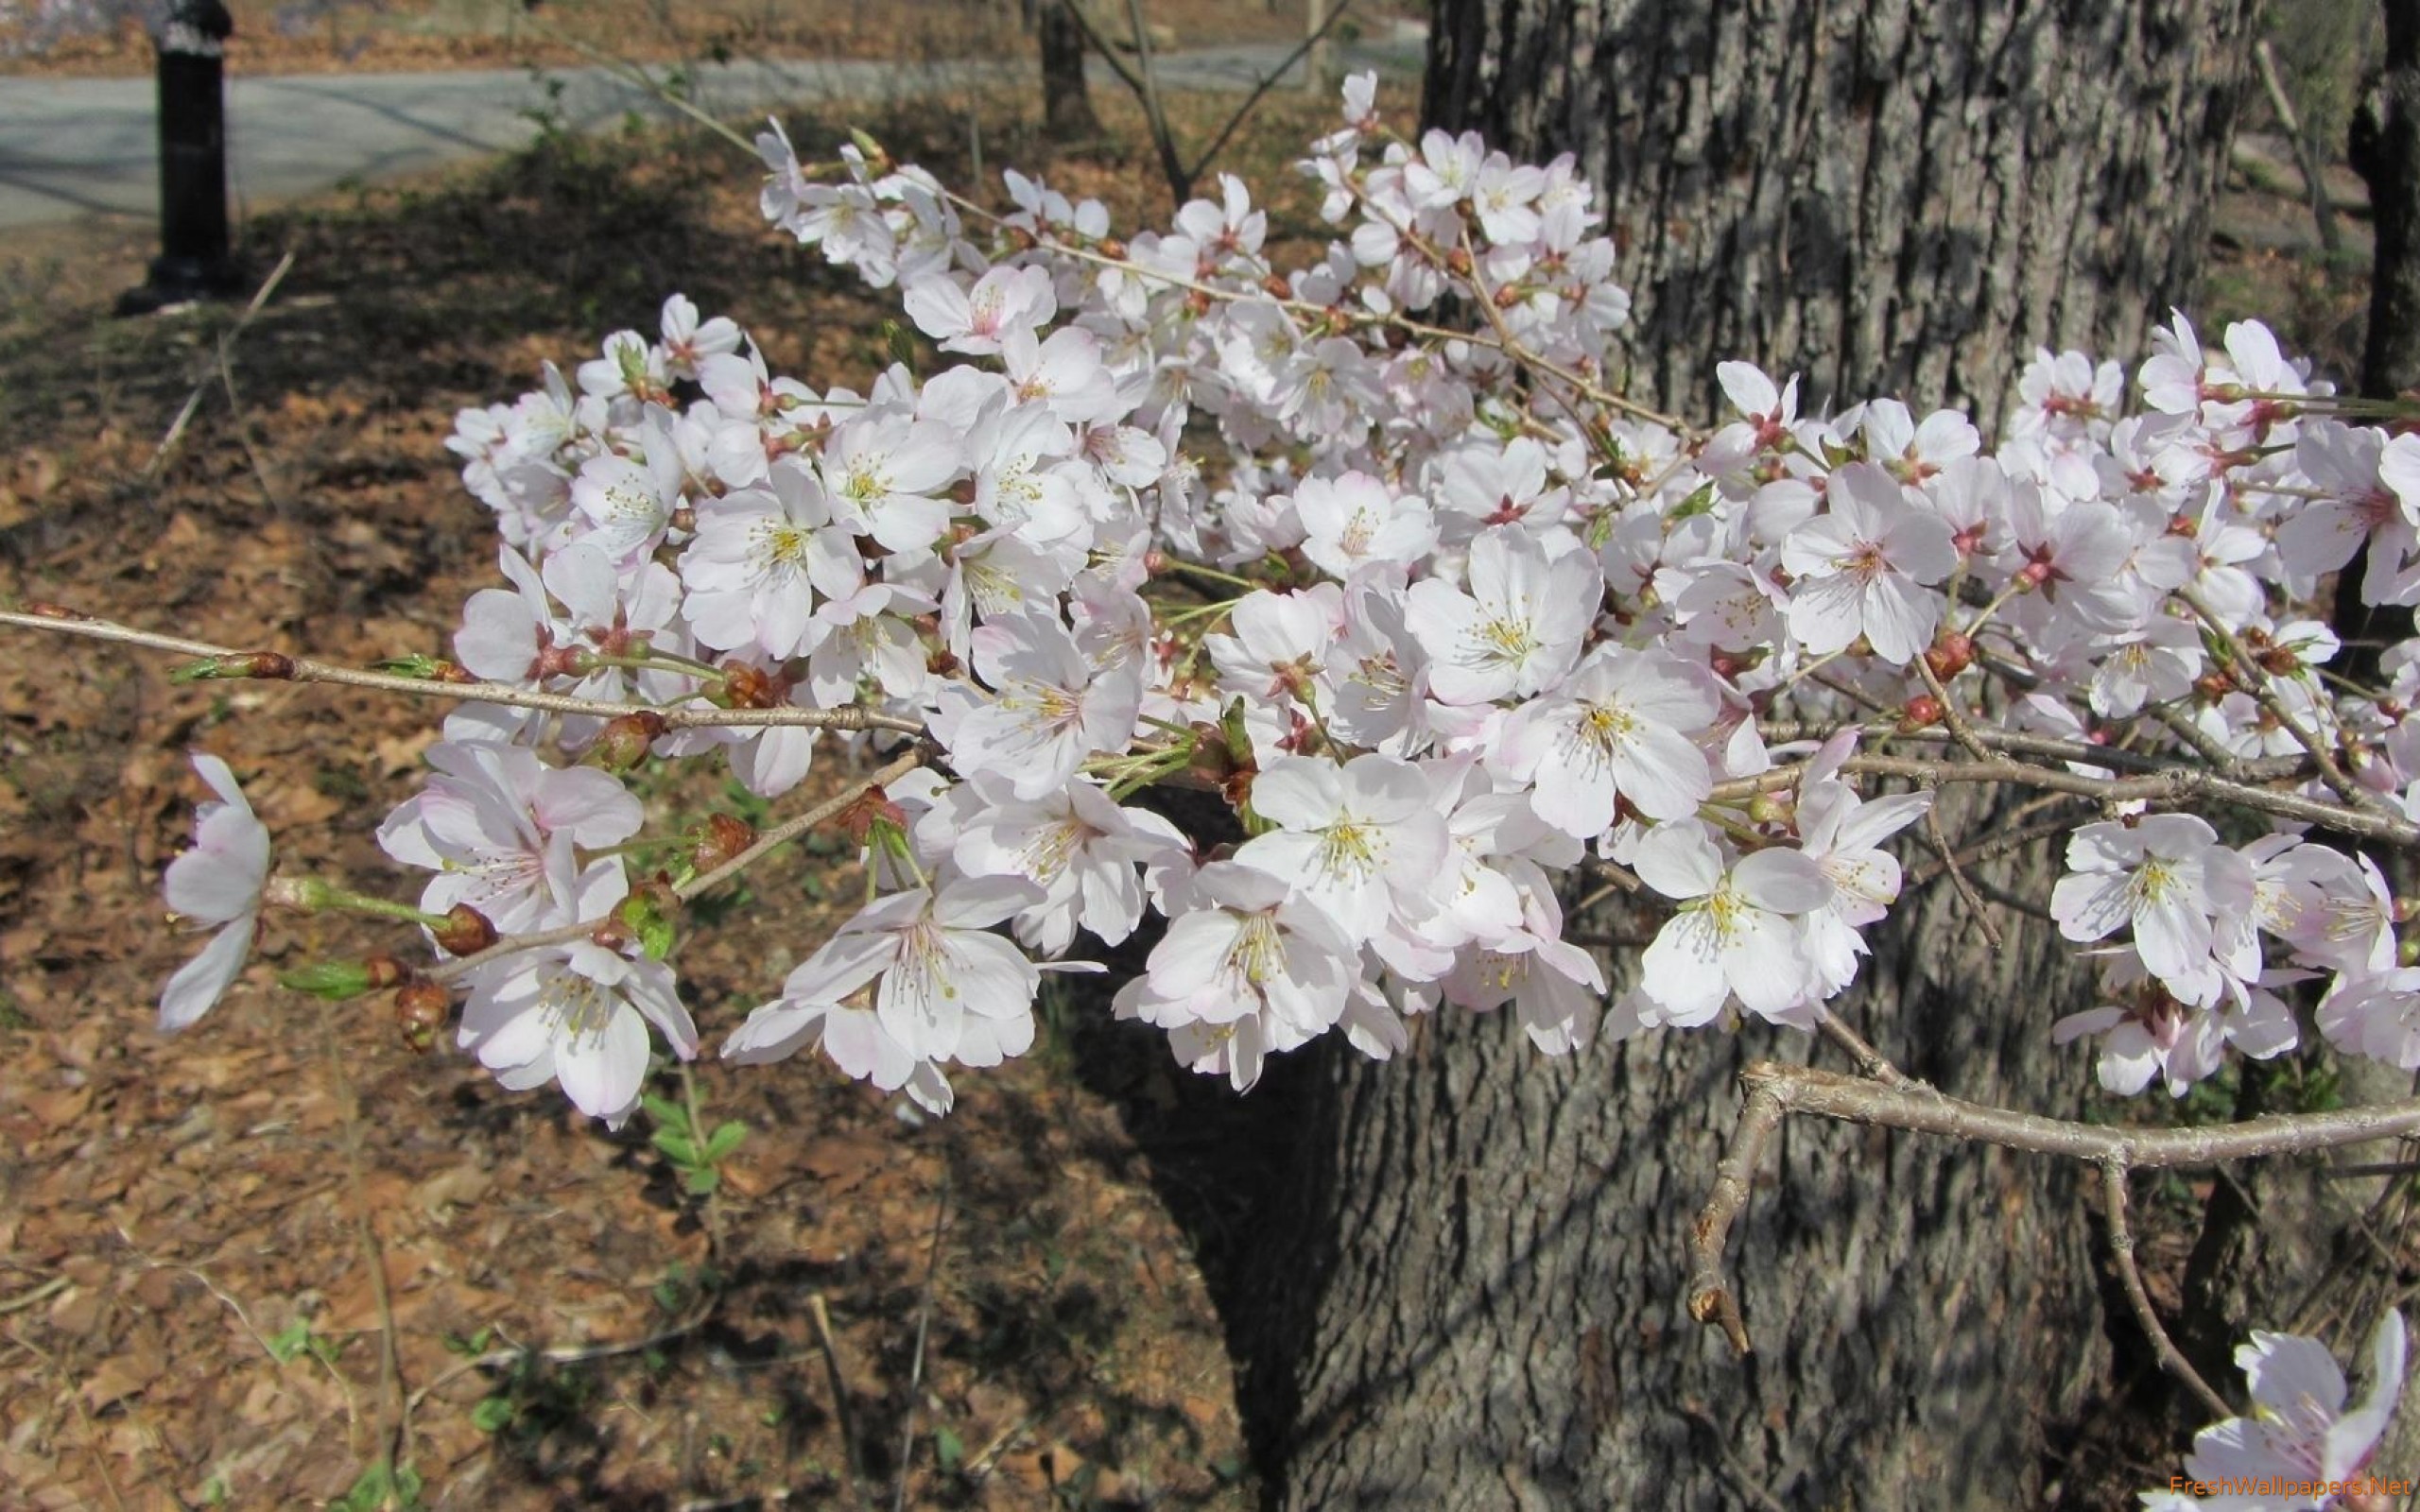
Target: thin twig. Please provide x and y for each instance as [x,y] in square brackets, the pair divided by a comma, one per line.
[852,1455]
[2171,786]
[1991,846]
[582,1354]
[26,1300]
[2121,1250]
[1710,1298]
[1171,163]
[396,1429]
[1269,81]
[304,669]
[2314,184]
[193,401]
[923,1324]
[1966,893]
[1869,1061]
[1776,1090]
[1951,715]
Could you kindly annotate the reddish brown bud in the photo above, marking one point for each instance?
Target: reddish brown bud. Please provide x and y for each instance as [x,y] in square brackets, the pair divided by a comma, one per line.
[1275,286]
[2214,685]
[612,935]
[269,664]
[1922,710]
[386,972]
[871,806]
[624,741]
[1210,762]
[465,932]
[1507,296]
[1950,655]
[422,1009]
[1458,262]
[450,672]
[44,611]
[747,687]
[1111,248]
[1155,563]
[722,838]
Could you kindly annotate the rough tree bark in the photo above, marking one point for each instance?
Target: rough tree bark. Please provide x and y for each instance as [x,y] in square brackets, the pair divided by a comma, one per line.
[1904,197]
[1480,1301]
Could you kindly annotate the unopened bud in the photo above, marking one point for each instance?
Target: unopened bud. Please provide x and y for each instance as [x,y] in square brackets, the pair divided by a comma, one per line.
[873,806]
[611,934]
[624,741]
[1458,262]
[1210,762]
[1275,286]
[270,665]
[722,838]
[1951,654]
[465,932]
[1111,248]
[1922,710]
[422,1009]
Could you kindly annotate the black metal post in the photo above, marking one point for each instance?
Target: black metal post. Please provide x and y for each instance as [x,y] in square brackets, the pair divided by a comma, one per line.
[194,260]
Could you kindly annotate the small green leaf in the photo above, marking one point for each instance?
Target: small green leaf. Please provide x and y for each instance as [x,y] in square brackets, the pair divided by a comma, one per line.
[492,1415]
[426,668]
[949,1450]
[650,922]
[289,1342]
[336,981]
[665,1112]
[702,1181]
[1697,502]
[682,1150]
[725,1138]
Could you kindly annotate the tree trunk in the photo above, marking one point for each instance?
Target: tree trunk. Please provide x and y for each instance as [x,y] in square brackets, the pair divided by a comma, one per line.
[1067,109]
[1480,1301]
[1901,198]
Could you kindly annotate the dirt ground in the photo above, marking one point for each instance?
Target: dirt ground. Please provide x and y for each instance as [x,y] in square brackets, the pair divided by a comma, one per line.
[194,1231]
[327,36]
[250,1266]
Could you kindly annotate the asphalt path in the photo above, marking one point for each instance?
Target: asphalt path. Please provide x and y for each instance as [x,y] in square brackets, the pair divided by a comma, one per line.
[72,148]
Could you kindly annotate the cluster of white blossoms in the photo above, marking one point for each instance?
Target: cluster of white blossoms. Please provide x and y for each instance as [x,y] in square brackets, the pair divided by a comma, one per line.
[1370,548]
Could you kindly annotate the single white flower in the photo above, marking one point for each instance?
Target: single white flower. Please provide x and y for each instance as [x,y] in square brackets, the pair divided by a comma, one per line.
[216,883]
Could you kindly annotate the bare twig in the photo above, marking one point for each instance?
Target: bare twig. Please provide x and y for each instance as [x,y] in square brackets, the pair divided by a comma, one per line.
[1869,1061]
[924,1325]
[853,1453]
[1269,81]
[1966,893]
[26,1300]
[2121,1250]
[1988,848]
[193,401]
[2314,184]
[1710,1298]
[304,669]
[1774,1090]
[395,1431]
[2171,784]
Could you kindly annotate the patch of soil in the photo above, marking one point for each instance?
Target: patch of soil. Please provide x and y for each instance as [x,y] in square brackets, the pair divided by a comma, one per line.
[252,1264]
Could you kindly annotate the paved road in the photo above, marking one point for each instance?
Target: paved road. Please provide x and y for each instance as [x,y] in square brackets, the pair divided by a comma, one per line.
[70,147]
